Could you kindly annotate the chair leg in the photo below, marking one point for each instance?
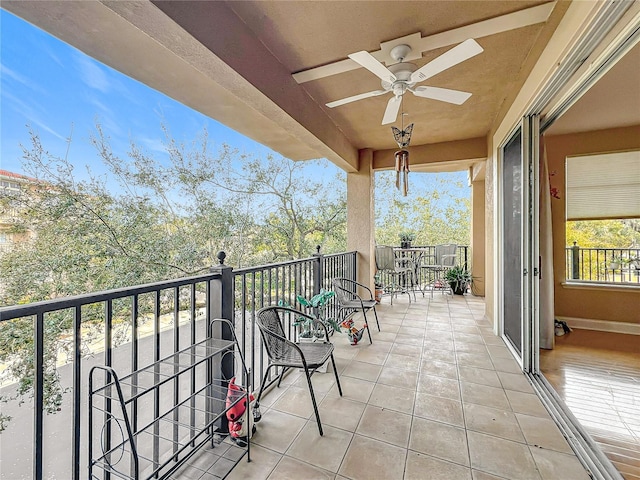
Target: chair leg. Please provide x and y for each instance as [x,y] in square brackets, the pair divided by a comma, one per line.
[262,384]
[366,324]
[376,315]
[284,369]
[335,372]
[313,399]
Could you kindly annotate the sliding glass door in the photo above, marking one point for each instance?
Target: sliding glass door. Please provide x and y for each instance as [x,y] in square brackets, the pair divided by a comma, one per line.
[519,238]
[512,289]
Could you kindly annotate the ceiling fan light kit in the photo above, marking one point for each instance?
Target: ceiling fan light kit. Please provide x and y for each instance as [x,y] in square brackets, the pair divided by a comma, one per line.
[403,76]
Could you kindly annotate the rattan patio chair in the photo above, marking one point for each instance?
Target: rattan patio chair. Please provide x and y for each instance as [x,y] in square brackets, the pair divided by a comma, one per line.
[349,302]
[284,353]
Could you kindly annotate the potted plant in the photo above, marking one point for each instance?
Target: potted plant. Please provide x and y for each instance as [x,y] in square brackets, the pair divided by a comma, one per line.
[318,304]
[406,238]
[615,262]
[458,278]
[378,287]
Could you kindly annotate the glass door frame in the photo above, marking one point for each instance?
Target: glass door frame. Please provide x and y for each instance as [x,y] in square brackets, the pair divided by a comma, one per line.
[529,129]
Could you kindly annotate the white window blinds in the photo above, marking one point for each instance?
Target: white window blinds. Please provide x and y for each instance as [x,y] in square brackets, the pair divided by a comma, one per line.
[603,186]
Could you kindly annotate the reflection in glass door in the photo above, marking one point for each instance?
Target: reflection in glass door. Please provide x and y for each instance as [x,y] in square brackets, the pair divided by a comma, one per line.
[512,241]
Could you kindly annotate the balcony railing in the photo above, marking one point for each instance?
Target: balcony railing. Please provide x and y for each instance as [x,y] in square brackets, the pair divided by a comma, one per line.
[424,255]
[603,265]
[257,287]
[132,327]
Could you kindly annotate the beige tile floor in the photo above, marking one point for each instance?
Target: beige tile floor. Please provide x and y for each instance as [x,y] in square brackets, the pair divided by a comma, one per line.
[436,396]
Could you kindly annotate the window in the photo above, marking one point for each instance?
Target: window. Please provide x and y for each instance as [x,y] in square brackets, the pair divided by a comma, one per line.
[603,217]
[603,186]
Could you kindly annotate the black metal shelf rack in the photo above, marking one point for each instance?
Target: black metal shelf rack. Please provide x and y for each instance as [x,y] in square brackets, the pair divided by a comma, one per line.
[152,422]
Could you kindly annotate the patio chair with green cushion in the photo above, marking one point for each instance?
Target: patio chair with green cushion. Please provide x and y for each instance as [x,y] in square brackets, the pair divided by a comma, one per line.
[349,301]
[284,353]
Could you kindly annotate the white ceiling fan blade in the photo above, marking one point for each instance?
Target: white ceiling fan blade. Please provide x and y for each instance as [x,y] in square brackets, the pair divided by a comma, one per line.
[391,113]
[355,98]
[442,94]
[369,62]
[467,49]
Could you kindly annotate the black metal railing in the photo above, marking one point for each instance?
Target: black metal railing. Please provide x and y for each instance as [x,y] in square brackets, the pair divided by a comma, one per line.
[280,284]
[124,328]
[603,265]
[131,327]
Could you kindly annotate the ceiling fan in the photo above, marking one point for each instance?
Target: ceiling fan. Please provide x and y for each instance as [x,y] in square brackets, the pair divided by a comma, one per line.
[403,76]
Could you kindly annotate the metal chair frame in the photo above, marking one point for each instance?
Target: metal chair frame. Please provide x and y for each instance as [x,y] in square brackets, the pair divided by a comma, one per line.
[284,353]
[445,258]
[386,262]
[350,302]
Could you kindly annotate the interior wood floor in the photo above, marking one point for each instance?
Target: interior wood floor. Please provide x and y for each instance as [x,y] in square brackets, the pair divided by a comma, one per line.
[597,374]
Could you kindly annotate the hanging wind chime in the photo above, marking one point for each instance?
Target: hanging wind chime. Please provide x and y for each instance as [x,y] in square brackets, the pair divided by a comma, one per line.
[402,138]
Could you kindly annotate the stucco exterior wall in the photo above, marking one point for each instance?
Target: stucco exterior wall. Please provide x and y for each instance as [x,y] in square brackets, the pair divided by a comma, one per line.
[478,236]
[360,217]
[490,199]
[586,303]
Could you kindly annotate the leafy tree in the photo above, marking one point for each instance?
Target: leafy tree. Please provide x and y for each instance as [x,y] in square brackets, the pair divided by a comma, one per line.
[166,219]
[435,211]
[604,233]
[293,211]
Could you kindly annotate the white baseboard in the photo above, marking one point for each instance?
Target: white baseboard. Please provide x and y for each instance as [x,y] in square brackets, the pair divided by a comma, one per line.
[602,325]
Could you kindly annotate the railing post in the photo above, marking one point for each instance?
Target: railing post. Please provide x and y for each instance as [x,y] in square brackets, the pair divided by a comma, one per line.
[222,293]
[575,261]
[220,306]
[466,258]
[354,265]
[38,396]
[318,273]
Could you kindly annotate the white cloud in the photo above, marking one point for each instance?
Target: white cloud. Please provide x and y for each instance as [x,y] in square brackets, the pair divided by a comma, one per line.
[92,74]
[152,144]
[46,47]
[7,73]
[30,113]
[46,128]
[100,105]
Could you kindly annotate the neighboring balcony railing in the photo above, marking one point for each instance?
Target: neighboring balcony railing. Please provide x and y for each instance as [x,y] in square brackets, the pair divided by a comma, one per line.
[129,328]
[603,265]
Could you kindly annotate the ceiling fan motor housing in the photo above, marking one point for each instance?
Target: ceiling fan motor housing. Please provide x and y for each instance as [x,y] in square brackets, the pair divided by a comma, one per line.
[402,72]
[403,76]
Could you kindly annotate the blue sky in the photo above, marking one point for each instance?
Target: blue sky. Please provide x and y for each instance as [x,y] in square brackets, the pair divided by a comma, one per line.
[59,91]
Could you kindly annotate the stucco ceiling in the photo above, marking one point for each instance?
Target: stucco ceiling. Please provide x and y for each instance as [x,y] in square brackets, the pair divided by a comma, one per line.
[234,61]
[302,36]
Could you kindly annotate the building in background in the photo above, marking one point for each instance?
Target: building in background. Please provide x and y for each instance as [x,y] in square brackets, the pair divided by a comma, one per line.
[11,184]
